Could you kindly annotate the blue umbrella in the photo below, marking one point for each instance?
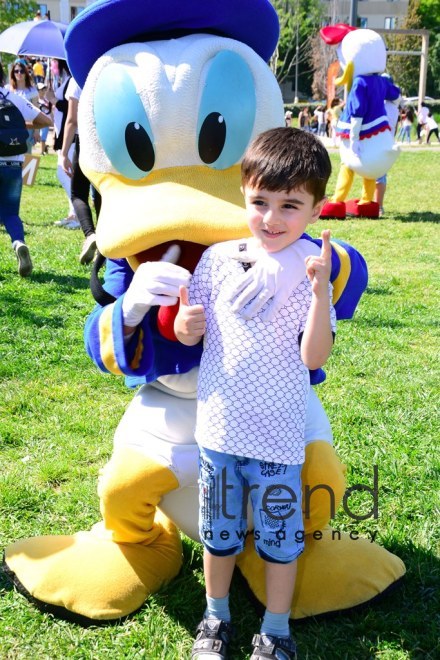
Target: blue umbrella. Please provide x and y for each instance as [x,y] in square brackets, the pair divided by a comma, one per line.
[35,38]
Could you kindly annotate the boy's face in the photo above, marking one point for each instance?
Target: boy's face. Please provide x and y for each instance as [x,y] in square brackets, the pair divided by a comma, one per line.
[277,219]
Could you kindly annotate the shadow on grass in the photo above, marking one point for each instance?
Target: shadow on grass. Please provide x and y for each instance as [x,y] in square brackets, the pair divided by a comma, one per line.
[48,184]
[68,282]
[380,322]
[16,308]
[404,618]
[63,281]
[378,291]
[377,321]
[425,216]
[184,598]
[5,583]
[36,320]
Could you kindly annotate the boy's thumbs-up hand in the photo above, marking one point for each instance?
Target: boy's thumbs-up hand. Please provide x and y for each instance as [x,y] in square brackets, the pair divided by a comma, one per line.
[183,296]
[318,268]
[190,320]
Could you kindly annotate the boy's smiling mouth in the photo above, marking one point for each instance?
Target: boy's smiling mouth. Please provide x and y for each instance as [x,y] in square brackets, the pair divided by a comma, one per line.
[270,232]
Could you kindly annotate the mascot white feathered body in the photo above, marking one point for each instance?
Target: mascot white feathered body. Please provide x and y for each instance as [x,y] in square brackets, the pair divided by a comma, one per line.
[366,138]
[172,95]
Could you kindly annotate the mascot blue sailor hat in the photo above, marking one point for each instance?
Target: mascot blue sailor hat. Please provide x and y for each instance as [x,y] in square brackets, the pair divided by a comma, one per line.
[109,23]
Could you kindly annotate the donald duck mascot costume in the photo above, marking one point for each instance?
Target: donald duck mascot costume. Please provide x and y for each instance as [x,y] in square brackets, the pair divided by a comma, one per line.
[173,92]
[367,139]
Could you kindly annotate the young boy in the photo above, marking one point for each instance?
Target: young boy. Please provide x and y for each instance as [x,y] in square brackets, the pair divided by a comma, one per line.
[253,388]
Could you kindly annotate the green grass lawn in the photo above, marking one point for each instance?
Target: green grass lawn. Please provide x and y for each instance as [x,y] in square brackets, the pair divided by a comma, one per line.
[58,416]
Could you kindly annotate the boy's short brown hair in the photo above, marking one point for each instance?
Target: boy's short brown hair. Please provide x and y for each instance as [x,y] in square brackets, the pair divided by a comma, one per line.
[287,159]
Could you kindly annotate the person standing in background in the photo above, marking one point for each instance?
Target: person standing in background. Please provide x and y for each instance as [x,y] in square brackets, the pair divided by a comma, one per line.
[304,119]
[406,122]
[11,181]
[20,82]
[334,112]
[320,115]
[422,116]
[61,76]
[432,127]
[393,112]
[80,185]
[45,107]
[38,71]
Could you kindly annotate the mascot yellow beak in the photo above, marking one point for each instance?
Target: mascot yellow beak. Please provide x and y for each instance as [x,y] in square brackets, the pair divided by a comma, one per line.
[173,175]
[347,76]
[190,203]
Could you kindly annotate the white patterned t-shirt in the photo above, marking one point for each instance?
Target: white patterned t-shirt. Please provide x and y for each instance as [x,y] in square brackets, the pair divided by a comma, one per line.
[253,386]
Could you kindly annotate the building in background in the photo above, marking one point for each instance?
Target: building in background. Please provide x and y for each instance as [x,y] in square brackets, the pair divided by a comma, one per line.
[374,14]
[63,11]
[383,14]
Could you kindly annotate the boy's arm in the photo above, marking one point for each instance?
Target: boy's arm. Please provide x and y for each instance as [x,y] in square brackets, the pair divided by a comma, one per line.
[189,324]
[317,339]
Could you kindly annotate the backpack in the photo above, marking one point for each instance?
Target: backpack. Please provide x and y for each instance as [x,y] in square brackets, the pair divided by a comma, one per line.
[13,131]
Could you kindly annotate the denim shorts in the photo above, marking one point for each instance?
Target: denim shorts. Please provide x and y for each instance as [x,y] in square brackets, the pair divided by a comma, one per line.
[225,484]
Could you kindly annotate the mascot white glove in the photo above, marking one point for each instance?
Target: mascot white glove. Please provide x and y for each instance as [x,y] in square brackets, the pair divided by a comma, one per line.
[154,283]
[355,130]
[273,278]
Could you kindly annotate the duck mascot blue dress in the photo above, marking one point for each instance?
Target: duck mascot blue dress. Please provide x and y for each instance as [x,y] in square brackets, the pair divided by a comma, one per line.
[172,94]
[366,137]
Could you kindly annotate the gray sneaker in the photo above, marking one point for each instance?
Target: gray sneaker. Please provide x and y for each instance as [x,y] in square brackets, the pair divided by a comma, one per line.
[24,260]
[212,640]
[88,250]
[269,647]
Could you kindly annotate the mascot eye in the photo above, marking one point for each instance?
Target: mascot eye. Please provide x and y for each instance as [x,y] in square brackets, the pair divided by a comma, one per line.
[122,124]
[212,137]
[227,111]
[139,146]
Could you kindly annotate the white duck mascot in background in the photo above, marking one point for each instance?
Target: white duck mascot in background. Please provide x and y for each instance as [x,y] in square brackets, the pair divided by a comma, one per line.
[173,92]
[367,141]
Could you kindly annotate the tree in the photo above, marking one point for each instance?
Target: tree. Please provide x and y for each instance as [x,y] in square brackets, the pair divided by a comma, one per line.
[433,81]
[15,12]
[429,12]
[405,68]
[422,14]
[322,56]
[299,23]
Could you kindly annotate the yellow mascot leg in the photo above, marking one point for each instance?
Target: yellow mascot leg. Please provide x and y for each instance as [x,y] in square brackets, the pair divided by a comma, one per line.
[108,572]
[335,572]
[343,184]
[323,485]
[368,189]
